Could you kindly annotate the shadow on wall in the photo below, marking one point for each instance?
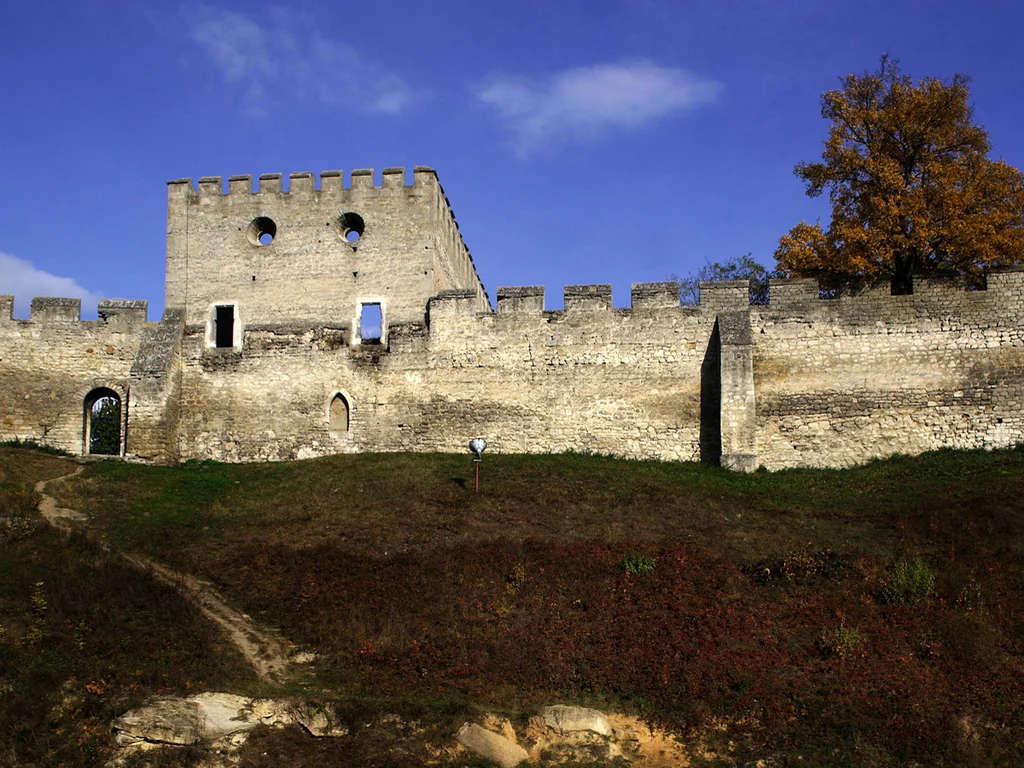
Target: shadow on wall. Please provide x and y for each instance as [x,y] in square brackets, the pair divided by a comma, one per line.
[711,401]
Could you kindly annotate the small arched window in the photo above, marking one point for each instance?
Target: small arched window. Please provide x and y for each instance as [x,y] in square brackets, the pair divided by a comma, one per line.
[339,415]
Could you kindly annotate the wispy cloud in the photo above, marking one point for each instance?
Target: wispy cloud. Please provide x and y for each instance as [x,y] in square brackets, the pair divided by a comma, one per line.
[588,102]
[282,51]
[24,281]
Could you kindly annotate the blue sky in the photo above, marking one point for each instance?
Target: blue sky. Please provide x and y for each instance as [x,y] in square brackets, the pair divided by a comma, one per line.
[579,141]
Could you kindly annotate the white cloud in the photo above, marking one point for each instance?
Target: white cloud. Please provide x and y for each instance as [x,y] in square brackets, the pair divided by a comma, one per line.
[237,45]
[283,52]
[24,281]
[587,102]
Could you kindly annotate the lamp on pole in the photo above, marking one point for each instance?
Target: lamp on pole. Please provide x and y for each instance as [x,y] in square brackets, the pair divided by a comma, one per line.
[477,445]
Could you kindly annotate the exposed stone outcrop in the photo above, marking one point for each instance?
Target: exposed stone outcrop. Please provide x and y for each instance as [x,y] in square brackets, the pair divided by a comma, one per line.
[491,746]
[220,723]
[202,718]
[566,719]
[219,720]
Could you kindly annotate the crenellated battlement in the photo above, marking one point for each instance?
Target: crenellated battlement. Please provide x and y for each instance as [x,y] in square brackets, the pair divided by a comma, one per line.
[50,310]
[125,313]
[724,296]
[521,299]
[314,249]
[795,297]
[1003,295]
[330,182]
[309,314]
[587,297]
[663,295]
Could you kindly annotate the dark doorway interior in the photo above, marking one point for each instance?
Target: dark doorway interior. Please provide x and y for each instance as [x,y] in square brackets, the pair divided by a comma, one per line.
[224,322]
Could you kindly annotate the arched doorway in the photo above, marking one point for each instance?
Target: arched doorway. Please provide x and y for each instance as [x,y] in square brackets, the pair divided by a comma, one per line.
[102,422]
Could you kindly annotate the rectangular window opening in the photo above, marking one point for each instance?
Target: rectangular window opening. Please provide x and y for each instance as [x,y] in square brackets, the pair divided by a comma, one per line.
[370,324]
[224,331]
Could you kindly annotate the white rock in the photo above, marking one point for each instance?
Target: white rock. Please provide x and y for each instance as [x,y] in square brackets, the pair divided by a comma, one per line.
[221,714]
[565,719]
[204,717]
[270,712]
[491,746]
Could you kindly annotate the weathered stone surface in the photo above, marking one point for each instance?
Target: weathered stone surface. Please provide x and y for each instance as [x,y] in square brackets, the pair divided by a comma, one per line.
[800,381]
[500,725]
[565,719]
[197,719]
[318,719]
[491,746]
[209,717]
[625,737]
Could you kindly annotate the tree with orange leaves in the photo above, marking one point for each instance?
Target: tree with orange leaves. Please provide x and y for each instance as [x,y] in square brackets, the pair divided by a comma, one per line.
[913,190]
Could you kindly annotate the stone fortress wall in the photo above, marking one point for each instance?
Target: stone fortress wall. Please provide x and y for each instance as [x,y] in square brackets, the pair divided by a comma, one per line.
[50,363]
[262,353]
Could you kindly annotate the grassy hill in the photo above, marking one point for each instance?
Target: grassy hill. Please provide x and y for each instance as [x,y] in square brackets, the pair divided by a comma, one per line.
[82,636]
[869,616]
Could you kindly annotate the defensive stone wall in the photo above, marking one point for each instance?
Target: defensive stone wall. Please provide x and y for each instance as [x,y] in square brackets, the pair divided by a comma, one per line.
[802,381]
[262,352]
[585,378]
[841,381]
[53,363]
[155,393]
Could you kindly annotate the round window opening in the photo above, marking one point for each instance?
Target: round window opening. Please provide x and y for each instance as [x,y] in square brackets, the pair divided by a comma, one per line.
[262,231]
[351,226]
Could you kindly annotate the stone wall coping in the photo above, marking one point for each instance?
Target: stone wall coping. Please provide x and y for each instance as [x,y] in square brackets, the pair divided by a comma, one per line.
[123,304]
[519,291]
[55,301]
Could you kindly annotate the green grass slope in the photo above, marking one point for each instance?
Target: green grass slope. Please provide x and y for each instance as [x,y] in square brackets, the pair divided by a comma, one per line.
[84,637]
[869,616]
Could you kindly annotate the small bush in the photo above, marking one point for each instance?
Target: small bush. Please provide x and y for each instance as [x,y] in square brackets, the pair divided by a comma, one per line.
[18,499]
[515,579]
[911,583]
[841,642]
[636,563]
[799,566]
[17,528]
[969,599]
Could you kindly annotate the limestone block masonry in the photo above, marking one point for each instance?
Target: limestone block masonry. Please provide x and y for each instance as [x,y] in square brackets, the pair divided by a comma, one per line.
[334,318]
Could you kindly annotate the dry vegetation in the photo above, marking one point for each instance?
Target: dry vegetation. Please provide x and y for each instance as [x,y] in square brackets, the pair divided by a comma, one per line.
[869,616]
[83,636]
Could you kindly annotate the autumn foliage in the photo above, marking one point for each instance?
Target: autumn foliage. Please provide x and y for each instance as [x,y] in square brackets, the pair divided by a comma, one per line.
[912,188]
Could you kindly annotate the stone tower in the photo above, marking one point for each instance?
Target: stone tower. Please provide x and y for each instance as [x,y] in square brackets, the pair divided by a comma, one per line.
[310,256]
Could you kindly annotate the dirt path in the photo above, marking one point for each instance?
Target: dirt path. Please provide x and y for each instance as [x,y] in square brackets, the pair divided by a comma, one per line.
[57,516]
[267,652]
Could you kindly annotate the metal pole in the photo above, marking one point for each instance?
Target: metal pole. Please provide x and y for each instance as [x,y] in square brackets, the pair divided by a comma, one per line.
[477,463]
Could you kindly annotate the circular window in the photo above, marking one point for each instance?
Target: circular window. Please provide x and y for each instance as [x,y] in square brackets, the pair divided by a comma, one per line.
[351,226]
[262,231]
